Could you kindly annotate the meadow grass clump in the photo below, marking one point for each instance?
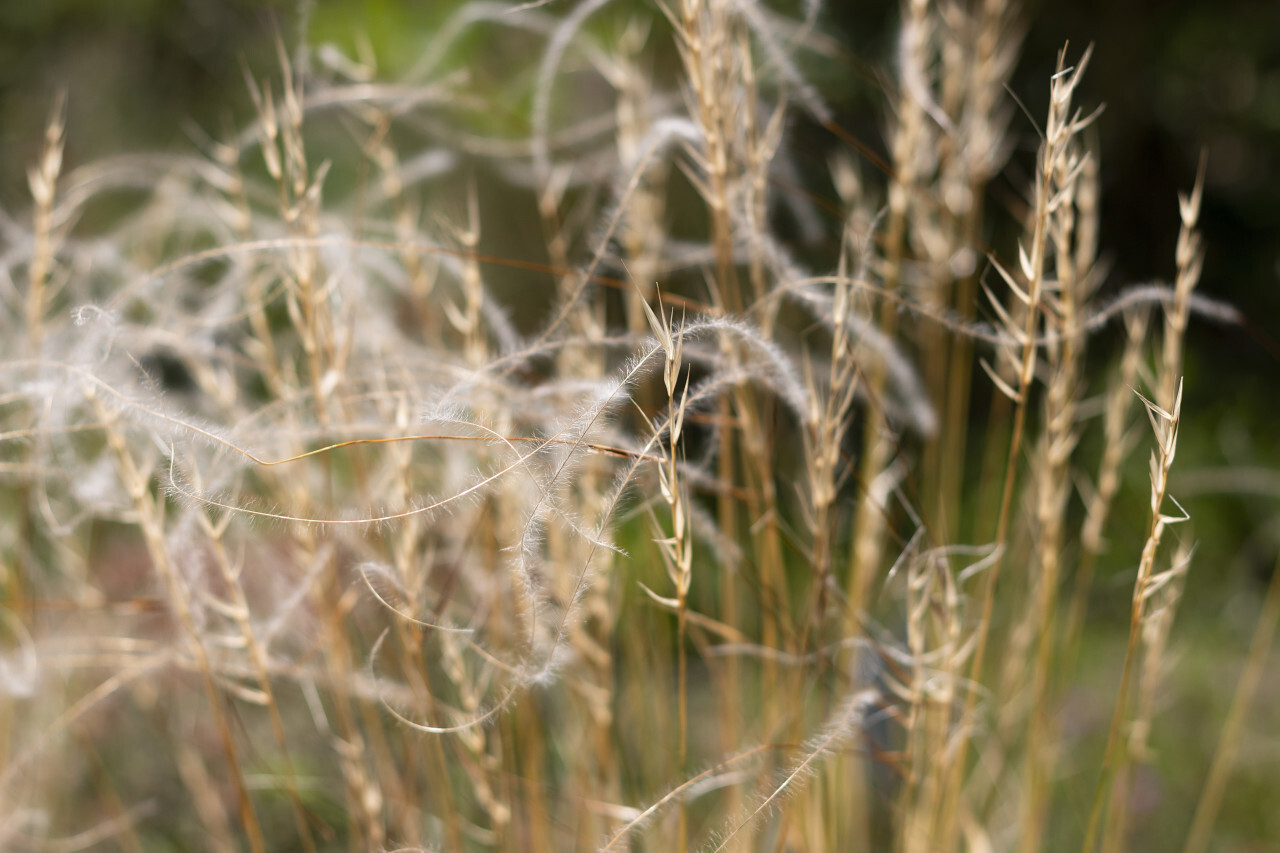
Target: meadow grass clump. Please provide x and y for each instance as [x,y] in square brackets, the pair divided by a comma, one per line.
[333,521]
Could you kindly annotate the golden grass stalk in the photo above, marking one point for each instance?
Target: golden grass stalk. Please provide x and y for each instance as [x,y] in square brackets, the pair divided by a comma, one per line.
[1050,193]
[43,181]
[1164,423]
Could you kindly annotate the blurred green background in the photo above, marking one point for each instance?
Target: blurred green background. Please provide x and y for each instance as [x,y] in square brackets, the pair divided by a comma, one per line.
[1176,78]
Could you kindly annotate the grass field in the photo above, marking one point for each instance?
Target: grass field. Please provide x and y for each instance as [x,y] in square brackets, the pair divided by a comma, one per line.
[541,449]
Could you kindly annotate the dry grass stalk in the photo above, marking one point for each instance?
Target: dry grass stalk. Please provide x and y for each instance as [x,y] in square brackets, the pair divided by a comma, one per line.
[43,182]
[1054,189]
[1164,423]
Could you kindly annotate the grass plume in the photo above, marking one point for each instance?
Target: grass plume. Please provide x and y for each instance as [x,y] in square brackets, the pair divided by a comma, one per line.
[338,518]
